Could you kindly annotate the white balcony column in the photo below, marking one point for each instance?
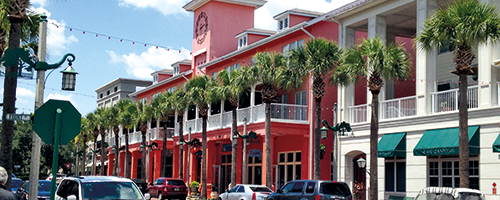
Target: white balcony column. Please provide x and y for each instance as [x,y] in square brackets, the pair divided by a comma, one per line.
[221,114]
[176,124]
[425,62]
[377,27]
[252,104]
[389,84]
[346,94]
[196,118]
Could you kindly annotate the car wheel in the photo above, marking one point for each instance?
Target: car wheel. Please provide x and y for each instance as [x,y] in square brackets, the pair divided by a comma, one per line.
[160,196]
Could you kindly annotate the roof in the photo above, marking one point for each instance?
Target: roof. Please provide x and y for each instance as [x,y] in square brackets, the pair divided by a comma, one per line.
[180,75]
[184,62]
[118,80]
[163,71]
[348,7]
[300,12]
[256,31]
[195,4]
[86,179]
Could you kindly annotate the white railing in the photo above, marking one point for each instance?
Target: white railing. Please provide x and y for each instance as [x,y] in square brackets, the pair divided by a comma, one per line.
[214,121]
[446,101]
[258,113]
[396,108]
[357,114]
[289,112]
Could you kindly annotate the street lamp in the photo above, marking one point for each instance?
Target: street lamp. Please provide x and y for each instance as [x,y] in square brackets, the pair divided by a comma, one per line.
[361,163]
[69,78]
[235,138]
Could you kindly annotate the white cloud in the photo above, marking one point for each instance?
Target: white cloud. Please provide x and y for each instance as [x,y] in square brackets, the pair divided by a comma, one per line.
[39,2]
[58,96]
[57,41]
[167,7]
[264,15]
[24,92]
[142,65]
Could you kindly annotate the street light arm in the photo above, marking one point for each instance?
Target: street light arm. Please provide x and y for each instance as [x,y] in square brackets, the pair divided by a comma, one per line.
[325,123]
[239,135]
[40,65]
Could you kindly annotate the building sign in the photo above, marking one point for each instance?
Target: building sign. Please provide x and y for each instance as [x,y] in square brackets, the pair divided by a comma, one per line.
[227,147]
[255,153]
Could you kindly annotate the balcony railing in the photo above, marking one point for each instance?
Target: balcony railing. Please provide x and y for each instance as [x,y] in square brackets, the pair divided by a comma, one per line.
[446,101]
[357,114]
[396,108]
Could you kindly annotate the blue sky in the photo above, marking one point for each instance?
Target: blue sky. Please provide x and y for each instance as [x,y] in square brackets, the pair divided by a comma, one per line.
[100,60]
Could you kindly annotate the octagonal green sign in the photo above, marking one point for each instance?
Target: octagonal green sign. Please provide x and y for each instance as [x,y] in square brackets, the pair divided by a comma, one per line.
[44,121]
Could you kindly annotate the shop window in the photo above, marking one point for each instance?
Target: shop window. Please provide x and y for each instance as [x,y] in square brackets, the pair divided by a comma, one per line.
[445,173]
[254,170]
[395,175]
[289,167]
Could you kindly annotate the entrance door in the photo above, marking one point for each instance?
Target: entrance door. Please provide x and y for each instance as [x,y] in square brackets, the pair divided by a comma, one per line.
[359,187]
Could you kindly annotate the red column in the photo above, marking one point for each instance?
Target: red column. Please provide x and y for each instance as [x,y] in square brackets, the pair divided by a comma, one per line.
[111,159]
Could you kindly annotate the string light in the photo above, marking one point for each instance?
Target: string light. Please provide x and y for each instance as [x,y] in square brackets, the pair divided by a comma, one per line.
[57,90]
[117,38]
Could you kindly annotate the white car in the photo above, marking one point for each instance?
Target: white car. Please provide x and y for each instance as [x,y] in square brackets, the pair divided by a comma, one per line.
[446,193]
[246,192]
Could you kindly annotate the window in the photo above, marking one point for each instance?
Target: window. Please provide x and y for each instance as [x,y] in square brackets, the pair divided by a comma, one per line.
[100,96]
[242,42]
[294,45]
[172,89]
[214,75]
[283,23]
[233,67]
[155,78]
[176,70]
[395,175]
[143,100]
[279,110]
[241,189]
[297,187]
[301,99]
[289,166]
[116,88]
[108,92]
[254,170]
[156,95]
[310,187]
[445,173]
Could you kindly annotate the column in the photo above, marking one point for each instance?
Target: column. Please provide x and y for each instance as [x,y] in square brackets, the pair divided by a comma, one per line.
[252,104]
[425,62]
[377,27]
[488,89]
[346,94]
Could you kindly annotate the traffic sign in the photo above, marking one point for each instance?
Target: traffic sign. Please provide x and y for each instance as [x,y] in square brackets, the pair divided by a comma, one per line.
[16,117]
[45,121]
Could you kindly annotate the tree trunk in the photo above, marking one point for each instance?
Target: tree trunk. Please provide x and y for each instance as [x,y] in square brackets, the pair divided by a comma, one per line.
[204,160]
[143,170]
[117,152]
[84,157]
[269,167]
[463,138]
[181,153]
[234,152]
[127,169]
[103,172]
[317,141]
[94,157]
[374,147]
[9,101]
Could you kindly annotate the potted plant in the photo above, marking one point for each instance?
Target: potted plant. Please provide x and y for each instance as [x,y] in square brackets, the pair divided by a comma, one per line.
[194,187]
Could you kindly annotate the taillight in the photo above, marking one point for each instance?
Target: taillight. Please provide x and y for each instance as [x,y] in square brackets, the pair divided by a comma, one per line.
[254,197]
[317,197]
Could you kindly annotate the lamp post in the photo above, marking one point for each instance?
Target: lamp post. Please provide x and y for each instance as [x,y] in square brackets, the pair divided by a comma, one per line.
[252,136]
[341,128]
[194,142]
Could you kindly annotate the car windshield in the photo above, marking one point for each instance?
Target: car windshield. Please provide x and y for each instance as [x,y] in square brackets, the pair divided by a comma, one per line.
[333,189]
[16,183]
[110,190]
[260,189]
[175,182]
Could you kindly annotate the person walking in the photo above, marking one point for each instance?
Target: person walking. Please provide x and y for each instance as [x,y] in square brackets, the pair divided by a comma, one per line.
[4,193]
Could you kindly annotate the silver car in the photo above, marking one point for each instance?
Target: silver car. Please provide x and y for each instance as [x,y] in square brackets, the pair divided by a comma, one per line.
[246,192]
[447,193]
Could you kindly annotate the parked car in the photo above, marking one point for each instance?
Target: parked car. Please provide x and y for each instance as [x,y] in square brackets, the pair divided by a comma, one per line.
[99,187]
[43,190]
[58,178]
[312,190]
[246,192]
[15,184]
[168,188]
[143,186]
[447,193]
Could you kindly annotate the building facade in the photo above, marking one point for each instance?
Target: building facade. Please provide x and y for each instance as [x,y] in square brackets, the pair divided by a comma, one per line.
[418,116]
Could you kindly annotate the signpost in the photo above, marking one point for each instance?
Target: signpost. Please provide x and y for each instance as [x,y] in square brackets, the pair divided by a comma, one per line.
[57,122]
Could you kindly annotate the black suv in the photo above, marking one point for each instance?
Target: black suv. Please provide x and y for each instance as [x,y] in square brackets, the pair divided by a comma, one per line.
[312,190]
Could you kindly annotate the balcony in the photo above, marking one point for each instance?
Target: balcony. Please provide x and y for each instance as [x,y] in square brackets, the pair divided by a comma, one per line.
[279,112]
[136,137]
[446,101]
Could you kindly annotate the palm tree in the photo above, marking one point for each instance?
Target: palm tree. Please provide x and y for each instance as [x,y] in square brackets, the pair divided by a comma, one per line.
[161,109]
[376,60]
[320,57]
[114,123]
[461,26]
[179,102]
[93,127]
[103,123]
[271,70]
[200,94]
[127,109]
[16,11]
[143,115]
[84,131]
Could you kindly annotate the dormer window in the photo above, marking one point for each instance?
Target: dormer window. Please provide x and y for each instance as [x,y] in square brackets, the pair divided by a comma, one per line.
[283,23]
[176,70]
[242,41]
[155,78]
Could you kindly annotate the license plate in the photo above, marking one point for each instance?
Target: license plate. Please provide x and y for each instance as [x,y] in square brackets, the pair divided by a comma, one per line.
[176,189]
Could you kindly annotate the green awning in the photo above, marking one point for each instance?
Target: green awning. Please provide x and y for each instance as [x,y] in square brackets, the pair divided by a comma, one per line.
[496,144]
[392,145]
[445,142]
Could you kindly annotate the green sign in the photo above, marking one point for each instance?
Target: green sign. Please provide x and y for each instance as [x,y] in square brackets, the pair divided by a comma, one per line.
[44,121]
[16,117]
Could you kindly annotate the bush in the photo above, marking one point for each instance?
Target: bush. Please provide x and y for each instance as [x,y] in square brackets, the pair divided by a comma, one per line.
[194,184]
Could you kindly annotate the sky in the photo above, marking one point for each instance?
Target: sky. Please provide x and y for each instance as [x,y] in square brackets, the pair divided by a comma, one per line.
[124,39]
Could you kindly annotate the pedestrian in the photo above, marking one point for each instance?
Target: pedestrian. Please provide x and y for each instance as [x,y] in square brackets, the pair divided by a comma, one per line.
[4,193]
